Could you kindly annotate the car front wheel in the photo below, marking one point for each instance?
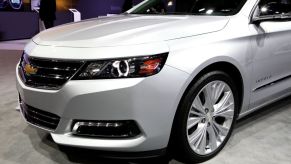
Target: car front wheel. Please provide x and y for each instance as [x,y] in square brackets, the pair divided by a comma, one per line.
[206,117]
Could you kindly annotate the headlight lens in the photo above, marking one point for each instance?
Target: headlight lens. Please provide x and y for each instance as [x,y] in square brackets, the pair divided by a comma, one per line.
[122,68]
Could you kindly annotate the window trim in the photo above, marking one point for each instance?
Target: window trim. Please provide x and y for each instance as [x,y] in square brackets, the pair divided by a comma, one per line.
[130,11]
[276,17]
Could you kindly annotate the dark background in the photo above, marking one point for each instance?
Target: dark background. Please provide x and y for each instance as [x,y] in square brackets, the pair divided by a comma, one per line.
[25,24]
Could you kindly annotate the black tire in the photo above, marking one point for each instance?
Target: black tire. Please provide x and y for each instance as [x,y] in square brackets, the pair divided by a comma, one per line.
[179,145]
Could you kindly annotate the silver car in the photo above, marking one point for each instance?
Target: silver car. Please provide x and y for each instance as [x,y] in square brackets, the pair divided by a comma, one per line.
[166,76]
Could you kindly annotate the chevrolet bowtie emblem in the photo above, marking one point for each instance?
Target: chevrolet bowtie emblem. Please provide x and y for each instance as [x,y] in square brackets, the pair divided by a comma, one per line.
[30,70]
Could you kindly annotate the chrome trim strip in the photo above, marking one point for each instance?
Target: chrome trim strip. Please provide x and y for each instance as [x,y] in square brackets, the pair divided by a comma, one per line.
[251,16]
[51,76]
[55,68]
[92,124]
[272,83]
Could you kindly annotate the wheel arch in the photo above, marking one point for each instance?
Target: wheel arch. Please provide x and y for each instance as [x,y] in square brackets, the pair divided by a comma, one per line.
[225,66]
[228,68]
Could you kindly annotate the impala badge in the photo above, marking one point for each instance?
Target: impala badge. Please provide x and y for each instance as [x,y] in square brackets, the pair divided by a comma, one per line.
[30,70]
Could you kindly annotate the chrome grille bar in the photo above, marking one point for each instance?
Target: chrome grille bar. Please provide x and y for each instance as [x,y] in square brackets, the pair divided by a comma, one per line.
[49,74]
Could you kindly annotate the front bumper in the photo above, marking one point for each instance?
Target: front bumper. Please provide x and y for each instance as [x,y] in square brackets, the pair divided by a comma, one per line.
[151,102]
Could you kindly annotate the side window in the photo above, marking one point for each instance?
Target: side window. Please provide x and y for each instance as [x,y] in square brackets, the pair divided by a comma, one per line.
[274,7]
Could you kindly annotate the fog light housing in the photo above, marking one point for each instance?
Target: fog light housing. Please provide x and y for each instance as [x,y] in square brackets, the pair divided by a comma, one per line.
[106,129]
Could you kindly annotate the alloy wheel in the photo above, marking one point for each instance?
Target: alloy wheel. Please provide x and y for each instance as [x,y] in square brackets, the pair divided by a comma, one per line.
[210,117]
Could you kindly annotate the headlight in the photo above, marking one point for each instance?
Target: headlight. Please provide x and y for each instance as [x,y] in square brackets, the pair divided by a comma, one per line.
[122,68]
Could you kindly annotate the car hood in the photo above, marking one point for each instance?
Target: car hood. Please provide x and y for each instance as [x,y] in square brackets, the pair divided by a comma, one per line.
[129,30]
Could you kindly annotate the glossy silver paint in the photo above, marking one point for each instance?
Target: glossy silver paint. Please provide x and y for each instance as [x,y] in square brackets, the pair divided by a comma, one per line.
[262,54]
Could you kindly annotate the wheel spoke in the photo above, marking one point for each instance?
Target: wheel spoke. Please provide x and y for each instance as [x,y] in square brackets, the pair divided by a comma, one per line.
[197,113]
[223,103]
[218,90]
[228,114]
[196,135]
[225,98]
[220,129]
[208,93]
[192,122]
[217,133]
[213,137]
[201,144]
[197,104]
[220,109]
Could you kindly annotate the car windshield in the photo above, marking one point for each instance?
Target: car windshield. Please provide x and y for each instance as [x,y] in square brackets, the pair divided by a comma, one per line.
[189,7]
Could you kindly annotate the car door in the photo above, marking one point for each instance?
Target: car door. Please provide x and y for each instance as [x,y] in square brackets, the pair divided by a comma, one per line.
[272,53]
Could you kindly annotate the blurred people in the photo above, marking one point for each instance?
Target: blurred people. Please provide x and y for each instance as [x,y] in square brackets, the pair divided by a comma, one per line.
[47,12]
